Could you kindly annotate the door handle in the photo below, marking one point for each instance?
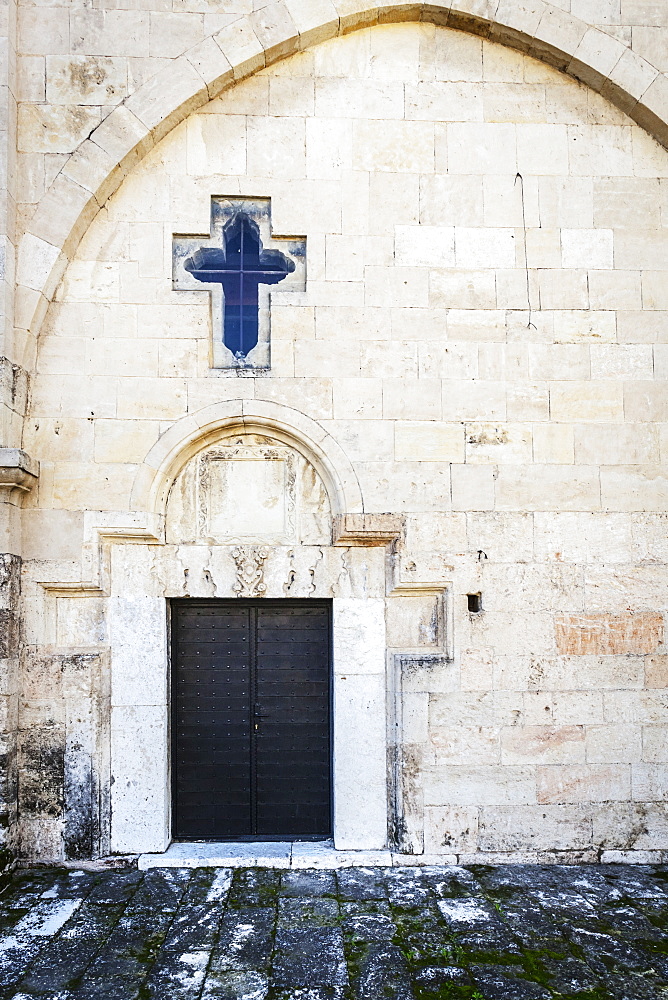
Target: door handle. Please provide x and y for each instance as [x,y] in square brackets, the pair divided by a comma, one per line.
[257,715]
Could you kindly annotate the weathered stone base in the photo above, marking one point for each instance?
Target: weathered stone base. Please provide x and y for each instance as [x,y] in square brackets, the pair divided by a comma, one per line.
[10,632]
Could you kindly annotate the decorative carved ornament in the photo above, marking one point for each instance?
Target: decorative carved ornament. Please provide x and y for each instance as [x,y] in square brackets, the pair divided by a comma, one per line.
[250,561]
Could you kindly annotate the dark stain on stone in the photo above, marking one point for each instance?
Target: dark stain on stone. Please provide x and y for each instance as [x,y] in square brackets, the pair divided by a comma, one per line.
[10,590]
[412,663]
[42,752]
[80,794]
[411,780]
[59,777]
[9,633]
[89,74]
[13,386]
[80,662]
[639,828]
[10,578]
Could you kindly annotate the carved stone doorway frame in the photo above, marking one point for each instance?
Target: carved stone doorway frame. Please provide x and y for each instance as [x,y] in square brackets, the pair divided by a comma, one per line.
[140,738]
[144,576]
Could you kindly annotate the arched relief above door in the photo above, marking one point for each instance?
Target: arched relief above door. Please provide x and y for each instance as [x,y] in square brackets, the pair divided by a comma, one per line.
[248,489]
[97,167]
[283,425]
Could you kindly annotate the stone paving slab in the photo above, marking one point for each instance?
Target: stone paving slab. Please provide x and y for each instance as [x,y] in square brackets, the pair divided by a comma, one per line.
[510,932]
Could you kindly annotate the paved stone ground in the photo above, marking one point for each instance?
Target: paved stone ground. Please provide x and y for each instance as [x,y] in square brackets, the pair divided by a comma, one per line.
[503,933]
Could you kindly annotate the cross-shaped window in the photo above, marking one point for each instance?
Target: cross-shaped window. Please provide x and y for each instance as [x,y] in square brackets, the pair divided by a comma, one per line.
[240,266]
[235,265]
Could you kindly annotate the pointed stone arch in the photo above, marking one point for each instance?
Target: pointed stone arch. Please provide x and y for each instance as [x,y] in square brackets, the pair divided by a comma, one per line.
[96,168]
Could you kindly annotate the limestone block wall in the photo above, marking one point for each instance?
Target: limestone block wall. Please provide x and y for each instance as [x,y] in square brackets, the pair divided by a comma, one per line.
[77,62]
[483,334]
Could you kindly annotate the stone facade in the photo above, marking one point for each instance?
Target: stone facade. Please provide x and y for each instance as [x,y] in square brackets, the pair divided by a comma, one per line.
[461,440]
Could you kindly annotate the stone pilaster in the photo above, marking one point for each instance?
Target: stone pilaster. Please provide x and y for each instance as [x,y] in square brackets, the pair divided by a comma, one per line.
[18,473]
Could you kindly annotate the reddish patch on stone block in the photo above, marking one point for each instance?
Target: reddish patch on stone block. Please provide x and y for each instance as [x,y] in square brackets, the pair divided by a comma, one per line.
[607,635]
[656,671]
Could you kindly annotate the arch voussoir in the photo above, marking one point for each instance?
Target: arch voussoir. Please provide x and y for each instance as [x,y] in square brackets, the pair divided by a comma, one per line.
[212,64]
[315,20]
[557,37]
[651,111]
[168,97]
[595,57]
[241,47]
[276,32]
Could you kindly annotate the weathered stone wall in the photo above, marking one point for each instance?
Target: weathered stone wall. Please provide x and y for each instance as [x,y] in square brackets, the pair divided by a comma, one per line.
[13,399]
[483,335]
[17,473]
[62,742]
[78,62]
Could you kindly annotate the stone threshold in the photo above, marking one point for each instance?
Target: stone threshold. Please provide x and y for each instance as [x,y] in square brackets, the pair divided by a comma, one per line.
[289,854]
[323,854]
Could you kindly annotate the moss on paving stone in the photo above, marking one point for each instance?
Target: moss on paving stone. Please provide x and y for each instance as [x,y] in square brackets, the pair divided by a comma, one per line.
[483,933]
[302,882]
[146,955]
[254,887]
[295,912]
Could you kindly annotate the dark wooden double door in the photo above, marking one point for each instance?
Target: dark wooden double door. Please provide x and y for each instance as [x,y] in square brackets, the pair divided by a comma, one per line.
[251,719]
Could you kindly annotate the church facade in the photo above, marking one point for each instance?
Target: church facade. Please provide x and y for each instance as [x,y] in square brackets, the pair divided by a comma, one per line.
[335,428]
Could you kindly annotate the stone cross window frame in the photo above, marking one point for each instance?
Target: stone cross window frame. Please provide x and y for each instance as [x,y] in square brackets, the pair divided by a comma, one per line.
[236,265]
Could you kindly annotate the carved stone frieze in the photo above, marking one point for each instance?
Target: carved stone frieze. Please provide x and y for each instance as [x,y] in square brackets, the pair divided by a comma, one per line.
[250,561]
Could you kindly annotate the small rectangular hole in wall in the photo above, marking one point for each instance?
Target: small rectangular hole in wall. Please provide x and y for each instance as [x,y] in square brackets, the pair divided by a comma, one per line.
[475,603]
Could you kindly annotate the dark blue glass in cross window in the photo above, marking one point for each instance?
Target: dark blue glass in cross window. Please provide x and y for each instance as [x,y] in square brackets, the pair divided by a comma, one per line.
[241,265]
